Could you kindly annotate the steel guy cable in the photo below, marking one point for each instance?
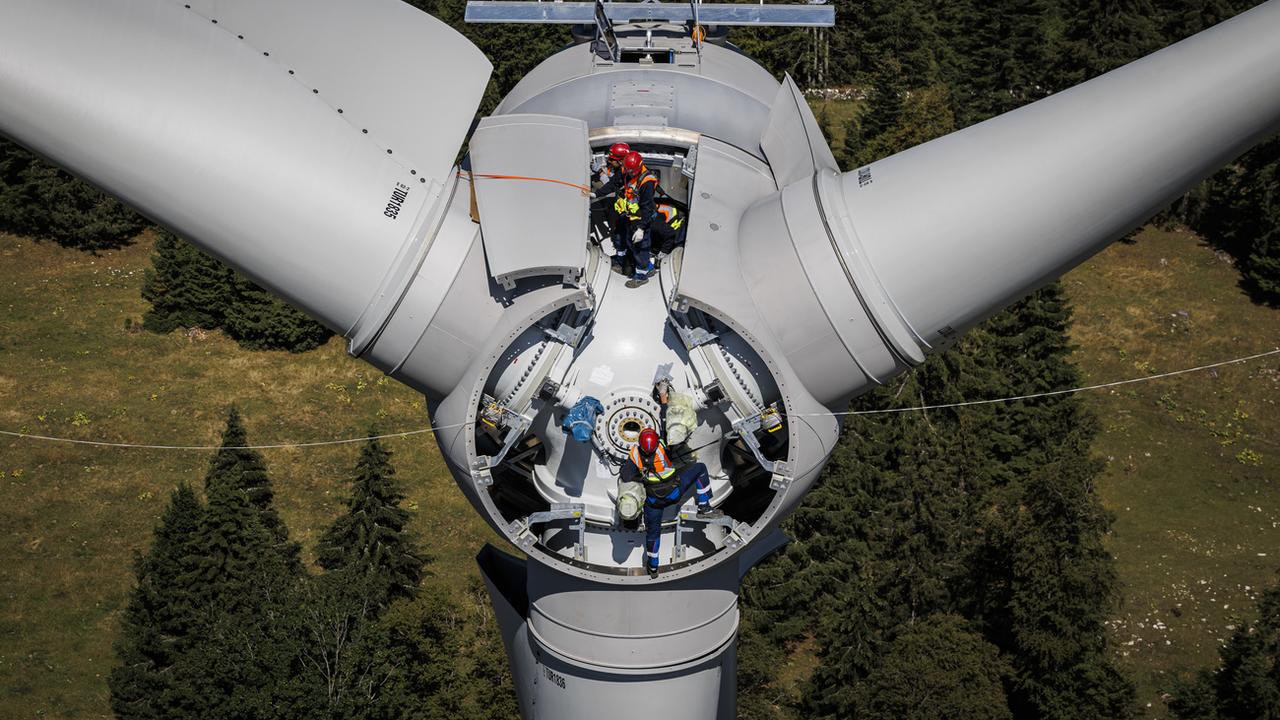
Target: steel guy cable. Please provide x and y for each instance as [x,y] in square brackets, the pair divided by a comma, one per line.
[406,433]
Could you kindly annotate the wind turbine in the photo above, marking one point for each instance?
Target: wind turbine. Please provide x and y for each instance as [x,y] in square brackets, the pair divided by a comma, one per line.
[311,144]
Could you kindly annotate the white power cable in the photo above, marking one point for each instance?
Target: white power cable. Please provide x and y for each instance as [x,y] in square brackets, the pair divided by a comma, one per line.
[99,443]
[1100,386]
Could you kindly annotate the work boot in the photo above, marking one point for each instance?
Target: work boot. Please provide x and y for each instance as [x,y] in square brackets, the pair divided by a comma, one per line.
[706,512]
[641,277]
[653,571]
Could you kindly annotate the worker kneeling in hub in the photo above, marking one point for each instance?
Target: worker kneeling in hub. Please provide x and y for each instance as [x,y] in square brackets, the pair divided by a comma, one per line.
[651,466]
[668,229]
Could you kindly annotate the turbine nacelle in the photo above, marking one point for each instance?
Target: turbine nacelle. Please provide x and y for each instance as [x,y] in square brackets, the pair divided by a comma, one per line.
[277,136]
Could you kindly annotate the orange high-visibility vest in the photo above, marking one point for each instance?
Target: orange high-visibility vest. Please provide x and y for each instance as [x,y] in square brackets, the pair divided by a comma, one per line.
[661,470]
[671,215]
[628,203]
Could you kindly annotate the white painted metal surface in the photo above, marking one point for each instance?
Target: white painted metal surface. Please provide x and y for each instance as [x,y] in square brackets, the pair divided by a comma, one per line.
[799,286]
[529,173]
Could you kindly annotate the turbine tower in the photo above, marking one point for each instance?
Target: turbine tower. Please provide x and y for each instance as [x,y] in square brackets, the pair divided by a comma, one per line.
[311,144]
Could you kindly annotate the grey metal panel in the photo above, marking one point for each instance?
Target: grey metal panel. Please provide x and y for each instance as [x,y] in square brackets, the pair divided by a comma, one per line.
[456,413]
[712,277]
[727,183]
[209,135]
[650,628]
[583,13]
[446,312]
[532,227]
[793,142]
[506,579]
[822,316]
[727,97]
[454,330]
[959,227]
[641,102]
[654,649]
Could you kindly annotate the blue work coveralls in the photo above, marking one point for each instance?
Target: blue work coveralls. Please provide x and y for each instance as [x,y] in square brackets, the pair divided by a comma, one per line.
[663,494]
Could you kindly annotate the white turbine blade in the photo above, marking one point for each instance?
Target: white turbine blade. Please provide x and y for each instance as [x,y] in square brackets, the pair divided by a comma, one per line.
[306,142]
[897,258]
[960,227]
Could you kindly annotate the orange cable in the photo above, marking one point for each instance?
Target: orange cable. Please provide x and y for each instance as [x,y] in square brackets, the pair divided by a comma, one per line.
[489,176]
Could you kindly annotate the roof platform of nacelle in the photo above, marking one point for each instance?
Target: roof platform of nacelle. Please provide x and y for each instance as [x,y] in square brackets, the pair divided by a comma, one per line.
[717,92]
[813,14]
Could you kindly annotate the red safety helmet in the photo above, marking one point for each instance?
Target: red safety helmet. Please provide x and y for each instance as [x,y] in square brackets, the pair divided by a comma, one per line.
[618,151]
[632,163]
[648,441]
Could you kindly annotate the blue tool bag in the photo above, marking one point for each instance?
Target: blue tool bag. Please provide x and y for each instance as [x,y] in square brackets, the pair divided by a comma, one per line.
[580,422]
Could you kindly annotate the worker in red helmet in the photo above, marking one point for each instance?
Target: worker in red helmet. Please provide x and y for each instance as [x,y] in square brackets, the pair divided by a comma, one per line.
[635,204]
[637,201]
[611,172]
[610,175]
[651,466]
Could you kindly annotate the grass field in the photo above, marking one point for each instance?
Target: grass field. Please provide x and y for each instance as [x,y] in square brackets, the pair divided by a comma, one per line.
[1191,461]
[1191,471]
[73,516]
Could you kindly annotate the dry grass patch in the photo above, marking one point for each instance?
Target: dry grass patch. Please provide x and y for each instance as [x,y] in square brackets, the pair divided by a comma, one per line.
[73,516]
[1191,460]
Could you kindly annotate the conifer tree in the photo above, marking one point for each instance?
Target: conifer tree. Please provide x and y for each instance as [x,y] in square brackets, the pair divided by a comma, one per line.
[871,30]
[160,621]
[886,99]
[850,148]
[185,286]
[1242,216]
[987,511]
[884,110]
[924,116]
[238,468]
[247,648]
[371,537]
[259,320]
[1041,583]
[44,201]
[935,668]
[337,658]
[1102,35]
[758,663]
[1184,18]
[905,480]
[438,658]
[1003,56]
[238,551]
[1247,682]
[189,288]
